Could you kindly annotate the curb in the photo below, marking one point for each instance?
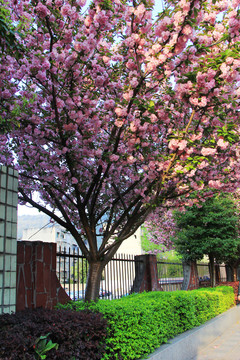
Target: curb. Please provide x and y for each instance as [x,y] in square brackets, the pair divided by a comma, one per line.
[185,346]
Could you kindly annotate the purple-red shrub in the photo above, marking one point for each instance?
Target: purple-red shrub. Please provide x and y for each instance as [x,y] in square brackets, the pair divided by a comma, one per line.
[80,335]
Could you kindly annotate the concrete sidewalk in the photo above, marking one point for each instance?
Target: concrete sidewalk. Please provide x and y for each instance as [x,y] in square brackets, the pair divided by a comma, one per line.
[217,339]
[224,347]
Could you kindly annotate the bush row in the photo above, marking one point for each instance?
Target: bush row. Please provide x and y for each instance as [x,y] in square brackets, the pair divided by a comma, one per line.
[140,323]
[76,335]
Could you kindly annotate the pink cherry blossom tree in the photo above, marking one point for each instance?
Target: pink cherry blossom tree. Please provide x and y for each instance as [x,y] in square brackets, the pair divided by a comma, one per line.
[116,112]
[161,229]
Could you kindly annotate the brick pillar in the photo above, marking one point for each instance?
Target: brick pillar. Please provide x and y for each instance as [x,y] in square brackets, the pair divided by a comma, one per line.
[146,276]
[8,238]
[37,283]
[190,276]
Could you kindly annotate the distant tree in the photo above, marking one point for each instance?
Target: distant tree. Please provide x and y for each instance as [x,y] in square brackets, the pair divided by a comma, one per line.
[163,249]
[210,229]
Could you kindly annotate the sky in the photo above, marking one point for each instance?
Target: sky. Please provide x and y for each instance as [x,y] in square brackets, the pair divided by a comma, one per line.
[27,210]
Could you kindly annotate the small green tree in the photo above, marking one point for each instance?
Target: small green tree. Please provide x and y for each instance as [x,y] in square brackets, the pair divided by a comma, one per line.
[210,229]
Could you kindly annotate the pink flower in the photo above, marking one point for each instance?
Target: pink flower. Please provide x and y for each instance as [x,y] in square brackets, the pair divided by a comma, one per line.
[128,95]
[208,151]
[222,144]
[88,21]
[131,159]
[133,127]
[120,111]
[173,144]
[74,180]
[6,94]
[119,123]
[195,137]
[182,144]
[114,157]
[140,10]
[134,82]
[153,118]
[216,184]
[109,104]
[42,10]
[81,2]
[177,144]
[66,10]
[58,3]
[187,30]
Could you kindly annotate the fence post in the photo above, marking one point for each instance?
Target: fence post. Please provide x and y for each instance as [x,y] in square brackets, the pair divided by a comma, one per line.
[37,283]
[146,276]
[190,276]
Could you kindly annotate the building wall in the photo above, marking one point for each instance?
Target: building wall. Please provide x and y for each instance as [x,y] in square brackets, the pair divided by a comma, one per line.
[8,238]
[53,233]
[132,245]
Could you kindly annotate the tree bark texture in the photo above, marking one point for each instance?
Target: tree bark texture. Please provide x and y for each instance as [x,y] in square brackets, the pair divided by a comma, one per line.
[93,280]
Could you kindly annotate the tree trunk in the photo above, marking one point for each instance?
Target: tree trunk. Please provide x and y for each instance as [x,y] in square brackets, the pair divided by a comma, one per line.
[234,273]
[229,273]
[93,280]
[190,275]
[218,275]
[212,271]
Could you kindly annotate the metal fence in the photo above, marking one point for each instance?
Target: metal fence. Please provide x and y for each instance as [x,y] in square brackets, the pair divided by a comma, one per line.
[170,274]
[119,274]
[117,277]
[204,274]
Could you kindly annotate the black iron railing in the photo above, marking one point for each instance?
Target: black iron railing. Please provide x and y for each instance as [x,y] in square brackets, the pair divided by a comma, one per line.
[204,274]
[117,277]
[119,274]
[170,275]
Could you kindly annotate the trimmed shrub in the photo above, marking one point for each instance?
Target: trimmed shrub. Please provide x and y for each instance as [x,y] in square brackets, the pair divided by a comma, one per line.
[78,335]
[140,323]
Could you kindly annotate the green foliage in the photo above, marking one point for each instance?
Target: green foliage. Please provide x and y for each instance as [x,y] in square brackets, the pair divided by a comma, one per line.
[8,41]
[42,346]
[140,323]
[209,229]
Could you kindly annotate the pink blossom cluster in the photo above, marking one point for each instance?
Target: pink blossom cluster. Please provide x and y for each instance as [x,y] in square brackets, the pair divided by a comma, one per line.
[114,113]
[161,229]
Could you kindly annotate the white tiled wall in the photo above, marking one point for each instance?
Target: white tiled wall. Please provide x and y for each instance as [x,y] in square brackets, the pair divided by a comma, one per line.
[8,238]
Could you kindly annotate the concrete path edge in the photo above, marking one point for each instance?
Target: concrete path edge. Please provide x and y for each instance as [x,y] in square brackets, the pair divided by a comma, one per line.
[185,346]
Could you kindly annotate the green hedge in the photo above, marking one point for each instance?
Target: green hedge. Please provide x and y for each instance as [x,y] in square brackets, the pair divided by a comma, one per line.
[139,323]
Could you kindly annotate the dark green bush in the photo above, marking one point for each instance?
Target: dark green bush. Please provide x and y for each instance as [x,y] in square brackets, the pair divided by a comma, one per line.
[140,323]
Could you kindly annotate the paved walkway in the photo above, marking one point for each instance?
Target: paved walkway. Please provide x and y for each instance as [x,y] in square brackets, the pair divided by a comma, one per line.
[225,347]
